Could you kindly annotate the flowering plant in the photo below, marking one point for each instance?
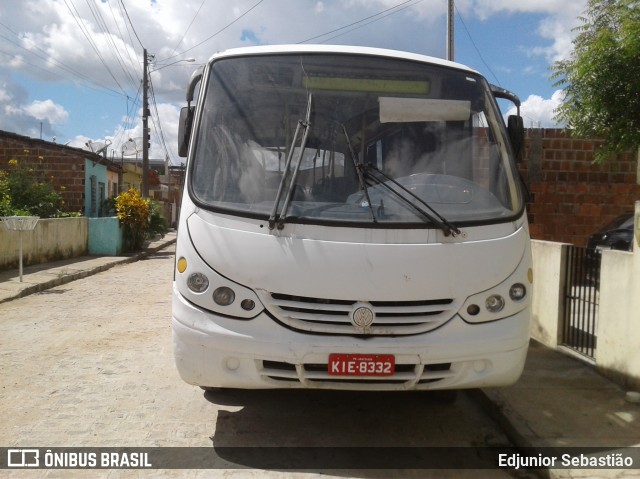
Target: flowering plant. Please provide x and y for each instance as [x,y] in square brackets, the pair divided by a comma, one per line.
[133,211]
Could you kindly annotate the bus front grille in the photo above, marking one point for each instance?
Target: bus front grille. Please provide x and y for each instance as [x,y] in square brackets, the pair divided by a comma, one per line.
[334,316]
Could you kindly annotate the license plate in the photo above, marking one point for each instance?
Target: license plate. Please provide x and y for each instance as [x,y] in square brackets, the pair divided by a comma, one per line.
[362,364]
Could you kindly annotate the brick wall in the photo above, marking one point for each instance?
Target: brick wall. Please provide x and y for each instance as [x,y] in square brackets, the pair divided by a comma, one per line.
[571,197]
[60,165]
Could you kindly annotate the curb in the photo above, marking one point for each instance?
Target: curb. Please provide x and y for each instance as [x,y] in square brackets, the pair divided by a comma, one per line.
[512,424]
[68,278]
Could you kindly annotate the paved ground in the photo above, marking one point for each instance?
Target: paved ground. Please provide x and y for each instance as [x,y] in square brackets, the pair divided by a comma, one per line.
[88,363]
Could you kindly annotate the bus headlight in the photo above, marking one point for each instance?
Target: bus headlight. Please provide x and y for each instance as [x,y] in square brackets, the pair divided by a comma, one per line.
[224,296]
[517,291]
[197,282]
[494,303]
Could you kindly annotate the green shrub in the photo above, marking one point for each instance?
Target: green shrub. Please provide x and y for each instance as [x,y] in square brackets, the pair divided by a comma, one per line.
[22,194]
[133,211]
[157,221]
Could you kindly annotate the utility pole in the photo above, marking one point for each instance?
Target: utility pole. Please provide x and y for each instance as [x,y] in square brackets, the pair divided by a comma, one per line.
[145,127]
[450,18]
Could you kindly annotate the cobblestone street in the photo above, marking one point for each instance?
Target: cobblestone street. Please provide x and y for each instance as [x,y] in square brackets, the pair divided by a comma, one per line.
[90,363]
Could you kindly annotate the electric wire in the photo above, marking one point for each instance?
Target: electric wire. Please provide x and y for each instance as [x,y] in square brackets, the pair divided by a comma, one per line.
[157,124]
[189,27]
[115,50]
[76,16]
[46,58]
[216,33]
[132,60]
[130,23]
[474,45]
[357,22]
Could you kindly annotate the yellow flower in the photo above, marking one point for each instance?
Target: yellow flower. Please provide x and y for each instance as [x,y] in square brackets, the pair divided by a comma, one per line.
[13,163]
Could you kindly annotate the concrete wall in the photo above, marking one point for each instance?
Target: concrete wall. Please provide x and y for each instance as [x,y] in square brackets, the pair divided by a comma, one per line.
[548,298]
[105,236]
[618,328]
[52,239]
[617,352]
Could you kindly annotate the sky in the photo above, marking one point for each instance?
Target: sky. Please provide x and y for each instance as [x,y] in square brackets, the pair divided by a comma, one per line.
[71,70]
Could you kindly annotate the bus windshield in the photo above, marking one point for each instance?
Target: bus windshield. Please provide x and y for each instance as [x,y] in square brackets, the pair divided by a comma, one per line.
[351,139]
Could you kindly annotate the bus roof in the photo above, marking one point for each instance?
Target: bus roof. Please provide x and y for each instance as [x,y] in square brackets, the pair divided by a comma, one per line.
[278,49]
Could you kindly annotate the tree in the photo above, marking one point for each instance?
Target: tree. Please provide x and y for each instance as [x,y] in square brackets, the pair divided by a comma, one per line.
[601,79]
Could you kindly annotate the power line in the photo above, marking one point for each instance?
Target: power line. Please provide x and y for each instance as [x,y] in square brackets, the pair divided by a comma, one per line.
[189,27]
[45,57]
[475,46]
[124,13]
[115,51]
[215,34]
[132,61]
[130,23]
[357,22]
[85,32]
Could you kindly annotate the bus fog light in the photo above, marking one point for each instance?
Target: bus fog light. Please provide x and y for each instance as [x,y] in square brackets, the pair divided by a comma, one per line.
[473,309]
[517,291]
[494,303]
[232,364]
[248,304]
[224,296]
[479,366]
[197,282]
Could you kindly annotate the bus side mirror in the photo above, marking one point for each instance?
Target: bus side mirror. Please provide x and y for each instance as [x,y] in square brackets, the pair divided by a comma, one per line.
[515,129]
[184,130]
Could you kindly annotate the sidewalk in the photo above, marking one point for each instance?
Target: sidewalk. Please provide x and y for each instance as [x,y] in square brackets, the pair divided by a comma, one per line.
[559,401]
[44,276]
[563,402]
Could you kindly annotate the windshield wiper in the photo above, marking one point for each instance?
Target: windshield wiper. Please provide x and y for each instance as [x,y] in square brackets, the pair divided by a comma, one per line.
[359,166]
[428,212]
[278,218]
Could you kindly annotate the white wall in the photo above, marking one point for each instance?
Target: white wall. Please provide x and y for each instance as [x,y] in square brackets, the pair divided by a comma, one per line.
[617,352]
[548,298]
[52,239]
[618,329]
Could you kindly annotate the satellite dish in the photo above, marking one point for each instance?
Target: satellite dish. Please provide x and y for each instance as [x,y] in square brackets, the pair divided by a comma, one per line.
[102,146]
[132,147]
[97,146]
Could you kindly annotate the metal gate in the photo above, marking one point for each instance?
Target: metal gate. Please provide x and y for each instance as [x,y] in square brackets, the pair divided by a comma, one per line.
[581,300]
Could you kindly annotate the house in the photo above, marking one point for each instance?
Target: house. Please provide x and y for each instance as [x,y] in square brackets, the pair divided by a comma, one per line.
[84,179]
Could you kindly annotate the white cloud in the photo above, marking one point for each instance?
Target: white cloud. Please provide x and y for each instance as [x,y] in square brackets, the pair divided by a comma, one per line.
[31,119]
[46,110]
[560,31]
[556,28]
[538,112]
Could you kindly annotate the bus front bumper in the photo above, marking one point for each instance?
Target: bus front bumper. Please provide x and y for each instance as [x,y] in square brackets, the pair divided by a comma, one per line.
[215,351]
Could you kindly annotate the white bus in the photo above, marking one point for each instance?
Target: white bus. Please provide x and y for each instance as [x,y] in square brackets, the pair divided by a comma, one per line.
[352,218]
